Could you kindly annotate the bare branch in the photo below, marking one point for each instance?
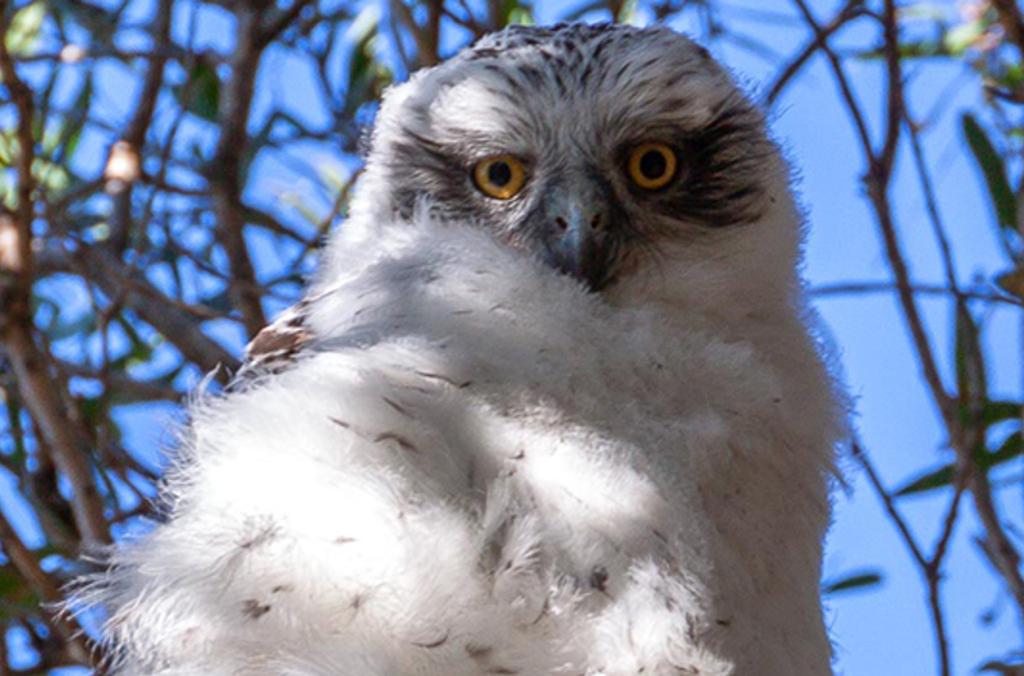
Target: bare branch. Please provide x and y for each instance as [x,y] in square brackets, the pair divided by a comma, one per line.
[38,391]
[281,22]
[821,39]
[1012,18]
[847,288]
[853,9]
[47,589]
[135,134]
[427,36]
[930,568]
[964,441]
[224,172]
[156,309]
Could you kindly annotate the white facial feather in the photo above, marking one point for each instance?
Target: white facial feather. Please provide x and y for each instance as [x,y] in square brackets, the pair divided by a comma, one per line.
[459,461]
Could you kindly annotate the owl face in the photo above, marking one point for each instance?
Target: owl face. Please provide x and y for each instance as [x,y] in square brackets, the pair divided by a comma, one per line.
[595,148]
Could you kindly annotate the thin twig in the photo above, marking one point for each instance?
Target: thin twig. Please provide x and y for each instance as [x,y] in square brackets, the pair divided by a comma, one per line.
[152,306]
[854,288]
[849,11]
[929,567]
[837,67]
[280,23]
[1001,551]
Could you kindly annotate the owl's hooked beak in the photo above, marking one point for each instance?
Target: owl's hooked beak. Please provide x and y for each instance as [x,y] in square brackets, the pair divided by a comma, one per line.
[575,238]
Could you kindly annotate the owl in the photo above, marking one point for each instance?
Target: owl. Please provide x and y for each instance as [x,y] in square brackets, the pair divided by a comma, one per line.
[552,404]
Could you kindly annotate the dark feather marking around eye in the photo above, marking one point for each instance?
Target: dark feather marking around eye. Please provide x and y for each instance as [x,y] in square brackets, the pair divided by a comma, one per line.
[724,164]
[433,150]
[423,168]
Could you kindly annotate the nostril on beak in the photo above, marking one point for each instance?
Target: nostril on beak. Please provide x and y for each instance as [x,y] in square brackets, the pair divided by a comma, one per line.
[562,224]
[595,222]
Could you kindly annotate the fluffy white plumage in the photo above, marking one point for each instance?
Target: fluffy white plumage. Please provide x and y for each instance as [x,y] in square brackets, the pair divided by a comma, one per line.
[476,467]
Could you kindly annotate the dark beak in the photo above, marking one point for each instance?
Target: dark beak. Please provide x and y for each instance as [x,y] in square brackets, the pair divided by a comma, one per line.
[576,240]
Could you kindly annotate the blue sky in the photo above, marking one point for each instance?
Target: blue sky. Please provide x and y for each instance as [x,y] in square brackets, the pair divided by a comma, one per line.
[885,630]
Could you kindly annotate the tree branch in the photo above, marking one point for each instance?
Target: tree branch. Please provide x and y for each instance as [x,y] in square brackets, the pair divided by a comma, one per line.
[38,391]
[224,172]
[45,588]
[153,307]
[134,137]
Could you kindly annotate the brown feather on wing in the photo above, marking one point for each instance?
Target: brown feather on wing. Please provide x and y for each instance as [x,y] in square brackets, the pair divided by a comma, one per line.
[277,345]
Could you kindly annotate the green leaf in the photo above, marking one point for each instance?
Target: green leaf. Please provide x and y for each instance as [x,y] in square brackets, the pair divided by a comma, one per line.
[219,301]
[71,133]
[924,10]
[520,16]
[1011,448]
[962,37]
[627,13]
[1011,76]
[1012,282]
[200,95]
[23,31]
[927,482]
[852,581]
[998,411]
[94,410]
[970,365]
[52,176]
[10,582]
[16,597]
[1010,667]
[140,350]
[81,325]
[513,12]
[994,411]
[994,172]
[367,75]
[8,146]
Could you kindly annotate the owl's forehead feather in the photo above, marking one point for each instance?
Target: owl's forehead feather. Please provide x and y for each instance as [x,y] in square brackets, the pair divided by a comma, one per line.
[575,78]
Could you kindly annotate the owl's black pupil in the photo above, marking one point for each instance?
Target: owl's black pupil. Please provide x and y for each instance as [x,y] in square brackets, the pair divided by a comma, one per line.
[653,164]
[499,174]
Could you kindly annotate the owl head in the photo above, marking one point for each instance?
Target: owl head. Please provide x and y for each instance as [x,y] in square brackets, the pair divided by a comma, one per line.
[624,157]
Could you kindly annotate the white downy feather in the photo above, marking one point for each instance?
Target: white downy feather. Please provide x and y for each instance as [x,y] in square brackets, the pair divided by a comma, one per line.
[478,468]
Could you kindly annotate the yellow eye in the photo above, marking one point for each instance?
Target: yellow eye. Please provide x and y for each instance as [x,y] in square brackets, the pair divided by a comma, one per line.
[652,165]
[500,177]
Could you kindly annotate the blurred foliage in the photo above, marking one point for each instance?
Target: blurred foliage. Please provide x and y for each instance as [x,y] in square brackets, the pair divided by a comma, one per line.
[175,177]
